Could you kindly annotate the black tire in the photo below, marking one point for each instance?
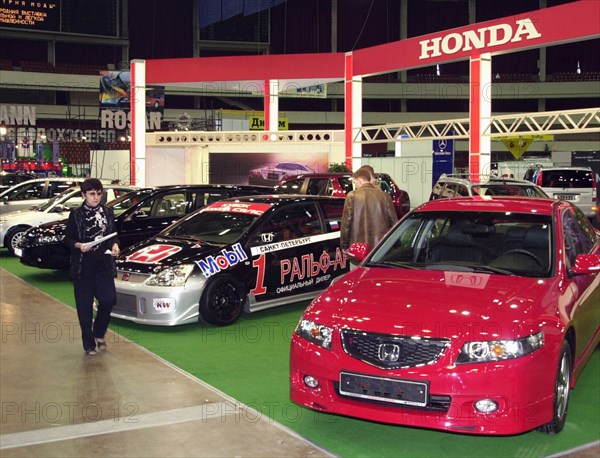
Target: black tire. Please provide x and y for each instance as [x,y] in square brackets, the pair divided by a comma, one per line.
[562,389]
[222,302]
[13,238]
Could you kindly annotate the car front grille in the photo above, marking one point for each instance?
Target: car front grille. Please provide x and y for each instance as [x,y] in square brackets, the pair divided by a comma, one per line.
[131,277]
[126,305]
[388,351]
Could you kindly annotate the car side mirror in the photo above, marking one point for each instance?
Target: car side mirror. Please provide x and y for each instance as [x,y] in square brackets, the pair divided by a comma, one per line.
[140,214]
[59,208]
[586,264]
[358,252]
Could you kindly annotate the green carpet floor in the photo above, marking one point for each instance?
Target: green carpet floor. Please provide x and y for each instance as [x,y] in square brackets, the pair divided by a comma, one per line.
[249,362]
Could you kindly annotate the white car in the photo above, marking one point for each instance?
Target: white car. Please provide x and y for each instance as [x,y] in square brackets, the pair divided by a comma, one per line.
[14,224]
[575,184]
[31,193]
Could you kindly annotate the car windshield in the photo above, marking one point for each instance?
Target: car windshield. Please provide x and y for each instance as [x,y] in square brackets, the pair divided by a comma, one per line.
[508,189]
[122,203]
[212,226]
[502,243]
[51,202]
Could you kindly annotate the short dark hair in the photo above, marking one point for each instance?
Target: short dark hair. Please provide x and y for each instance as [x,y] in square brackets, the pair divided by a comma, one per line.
[91,184]
[368,168]
[363,174]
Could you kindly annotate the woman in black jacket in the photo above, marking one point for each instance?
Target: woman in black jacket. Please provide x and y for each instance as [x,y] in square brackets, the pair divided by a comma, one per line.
[92,263]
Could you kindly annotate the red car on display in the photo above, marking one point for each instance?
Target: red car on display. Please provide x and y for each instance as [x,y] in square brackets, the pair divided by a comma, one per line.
[473,315]
[340,184]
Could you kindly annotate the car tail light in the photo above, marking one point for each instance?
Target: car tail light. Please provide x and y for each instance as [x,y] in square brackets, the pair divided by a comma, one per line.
[594,190]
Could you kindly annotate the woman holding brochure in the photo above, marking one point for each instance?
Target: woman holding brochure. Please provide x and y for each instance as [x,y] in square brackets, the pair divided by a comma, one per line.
[91,235]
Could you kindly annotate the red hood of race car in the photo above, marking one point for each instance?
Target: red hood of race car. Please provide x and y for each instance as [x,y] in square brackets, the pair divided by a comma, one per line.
[428,303]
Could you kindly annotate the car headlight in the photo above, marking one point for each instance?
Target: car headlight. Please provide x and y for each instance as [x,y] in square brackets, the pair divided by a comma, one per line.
[314,332]
[47,239]
[499,350]
[171,276]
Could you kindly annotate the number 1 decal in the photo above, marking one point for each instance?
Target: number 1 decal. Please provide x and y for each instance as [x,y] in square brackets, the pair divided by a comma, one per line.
[259,288]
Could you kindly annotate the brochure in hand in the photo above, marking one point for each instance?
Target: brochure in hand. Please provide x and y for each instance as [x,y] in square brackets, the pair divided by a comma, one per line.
[89,245]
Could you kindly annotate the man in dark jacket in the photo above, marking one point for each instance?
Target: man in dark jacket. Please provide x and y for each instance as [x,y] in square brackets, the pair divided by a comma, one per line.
[91,235]
[368,213]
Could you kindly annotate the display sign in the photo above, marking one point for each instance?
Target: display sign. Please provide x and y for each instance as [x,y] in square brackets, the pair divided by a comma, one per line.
[443,158]
[30,15]
[258,123]
[587,159]
[518,145]
[114,89]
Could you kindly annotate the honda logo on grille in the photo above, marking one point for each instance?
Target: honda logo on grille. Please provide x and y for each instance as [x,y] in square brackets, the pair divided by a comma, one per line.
[389,352]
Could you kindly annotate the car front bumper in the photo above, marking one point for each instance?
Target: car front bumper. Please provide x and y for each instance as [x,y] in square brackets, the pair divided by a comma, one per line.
[522,388]
[47,256]
[157,305]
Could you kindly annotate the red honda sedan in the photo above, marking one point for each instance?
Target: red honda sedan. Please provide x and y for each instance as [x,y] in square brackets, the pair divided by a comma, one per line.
[473,315]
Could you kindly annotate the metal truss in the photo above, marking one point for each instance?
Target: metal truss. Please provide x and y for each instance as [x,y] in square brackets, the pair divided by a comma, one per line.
[550,122]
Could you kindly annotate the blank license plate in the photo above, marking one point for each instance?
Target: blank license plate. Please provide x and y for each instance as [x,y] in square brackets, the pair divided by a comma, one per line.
[384,389]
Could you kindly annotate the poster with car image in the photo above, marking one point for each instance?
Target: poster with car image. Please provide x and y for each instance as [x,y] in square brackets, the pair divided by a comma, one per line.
[266,169]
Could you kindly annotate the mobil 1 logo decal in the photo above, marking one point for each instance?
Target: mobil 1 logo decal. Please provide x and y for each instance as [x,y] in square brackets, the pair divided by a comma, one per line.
[227,258]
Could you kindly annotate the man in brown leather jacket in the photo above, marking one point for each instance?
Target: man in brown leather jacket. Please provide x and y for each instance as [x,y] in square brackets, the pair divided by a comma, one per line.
[368,213]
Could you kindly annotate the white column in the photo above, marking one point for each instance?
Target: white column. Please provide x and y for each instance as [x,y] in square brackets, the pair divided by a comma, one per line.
[138,122]
[479,113]
[485,142]
[273,105]
[357,85]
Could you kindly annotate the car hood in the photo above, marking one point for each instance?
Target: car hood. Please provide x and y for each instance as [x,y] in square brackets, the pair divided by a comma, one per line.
[146,256]
[427,303]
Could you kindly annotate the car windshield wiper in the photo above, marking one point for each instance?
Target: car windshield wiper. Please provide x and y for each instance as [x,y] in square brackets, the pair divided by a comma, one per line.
[470,268]
[197,240]
[495,270]
[403,265]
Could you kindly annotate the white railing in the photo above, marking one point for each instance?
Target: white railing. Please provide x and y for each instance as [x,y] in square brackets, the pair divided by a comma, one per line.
[239,137]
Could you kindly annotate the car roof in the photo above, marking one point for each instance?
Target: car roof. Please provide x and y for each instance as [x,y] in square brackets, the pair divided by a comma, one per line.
[243,187]
[106,186]
[570,167]
[283,198]
[486,179]
[327,175]
[496,204]
[318,175]
[515,181]
[54,179]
